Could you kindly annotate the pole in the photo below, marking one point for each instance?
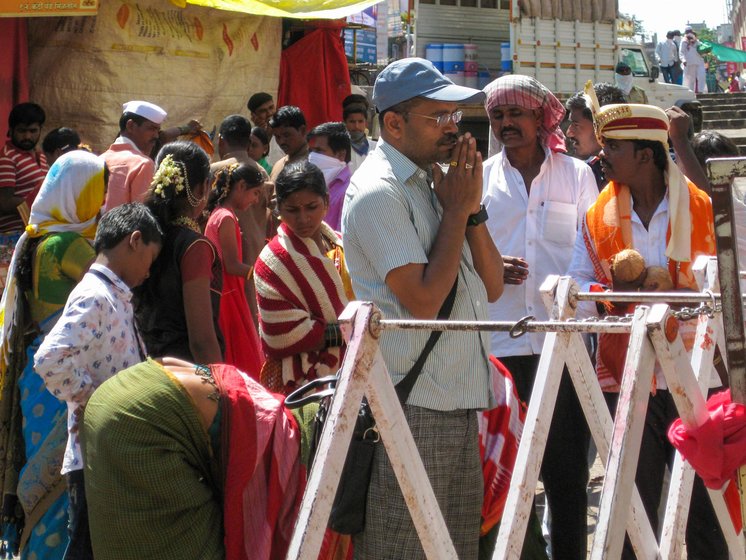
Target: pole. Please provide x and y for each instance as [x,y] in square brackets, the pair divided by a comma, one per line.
[721,173]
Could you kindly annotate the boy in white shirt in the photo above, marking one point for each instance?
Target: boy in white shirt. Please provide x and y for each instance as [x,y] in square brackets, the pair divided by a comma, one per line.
[96,337]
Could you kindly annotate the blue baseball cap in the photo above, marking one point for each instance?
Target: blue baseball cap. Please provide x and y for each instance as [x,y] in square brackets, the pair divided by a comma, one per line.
[416,77]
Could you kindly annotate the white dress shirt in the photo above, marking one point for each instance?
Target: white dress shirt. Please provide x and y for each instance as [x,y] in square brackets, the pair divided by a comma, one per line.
[275,152]
[667,53]
[689,54]
[540,226]
[356,159]
[94,339]
[651,244]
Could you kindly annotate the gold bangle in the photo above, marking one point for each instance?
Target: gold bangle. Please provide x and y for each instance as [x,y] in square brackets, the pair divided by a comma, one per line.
[250,273]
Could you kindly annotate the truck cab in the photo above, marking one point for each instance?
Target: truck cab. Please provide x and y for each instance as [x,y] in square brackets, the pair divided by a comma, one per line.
[660,94]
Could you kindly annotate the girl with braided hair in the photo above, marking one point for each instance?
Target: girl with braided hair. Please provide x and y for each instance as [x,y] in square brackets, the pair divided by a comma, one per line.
[185,280]
[236,188]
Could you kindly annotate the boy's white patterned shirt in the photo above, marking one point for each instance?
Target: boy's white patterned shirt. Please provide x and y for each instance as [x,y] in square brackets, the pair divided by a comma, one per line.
[94,339]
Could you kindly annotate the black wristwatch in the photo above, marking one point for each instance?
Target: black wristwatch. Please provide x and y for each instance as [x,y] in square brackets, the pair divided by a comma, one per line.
[478,218]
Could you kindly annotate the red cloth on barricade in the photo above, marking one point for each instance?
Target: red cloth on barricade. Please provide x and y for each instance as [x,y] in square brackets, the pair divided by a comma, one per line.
[499,436]
[314,76]
[717,448]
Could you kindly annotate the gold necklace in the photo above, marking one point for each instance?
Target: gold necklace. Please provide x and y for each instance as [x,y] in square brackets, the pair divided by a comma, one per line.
[187,222]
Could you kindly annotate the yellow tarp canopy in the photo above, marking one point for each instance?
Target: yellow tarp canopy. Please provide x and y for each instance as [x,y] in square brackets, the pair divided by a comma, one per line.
[299,9]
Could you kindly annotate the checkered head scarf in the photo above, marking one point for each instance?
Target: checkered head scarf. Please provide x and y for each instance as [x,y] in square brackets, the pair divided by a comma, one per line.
[529,93]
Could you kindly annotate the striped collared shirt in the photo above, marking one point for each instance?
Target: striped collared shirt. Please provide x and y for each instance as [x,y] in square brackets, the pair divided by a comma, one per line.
[390,219]
[24,172]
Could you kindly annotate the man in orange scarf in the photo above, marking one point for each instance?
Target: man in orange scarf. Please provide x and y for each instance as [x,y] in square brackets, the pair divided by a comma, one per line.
[649,206]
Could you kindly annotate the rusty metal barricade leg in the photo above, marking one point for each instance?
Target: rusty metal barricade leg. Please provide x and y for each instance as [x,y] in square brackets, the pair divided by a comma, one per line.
[531,449]
[616,493]
[722,174]
[561,349]
[687,391]
[364,373]
[599,419]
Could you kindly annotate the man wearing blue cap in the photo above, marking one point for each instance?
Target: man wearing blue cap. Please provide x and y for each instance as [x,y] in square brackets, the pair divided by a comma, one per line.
[415,237]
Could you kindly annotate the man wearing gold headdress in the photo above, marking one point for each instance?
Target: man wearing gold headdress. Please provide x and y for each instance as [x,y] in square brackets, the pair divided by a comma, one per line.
[650,206]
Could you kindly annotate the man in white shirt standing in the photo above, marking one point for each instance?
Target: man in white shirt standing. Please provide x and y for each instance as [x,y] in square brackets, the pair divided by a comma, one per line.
[535,196]
[694,65]
[667,53]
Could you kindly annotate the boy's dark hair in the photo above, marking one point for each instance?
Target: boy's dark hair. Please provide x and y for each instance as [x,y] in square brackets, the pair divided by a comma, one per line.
[355,99]
[26,113]
[257,100]
[289,115]
[709,144]
[300,176]
[122,221]
[336,135]
[660,154]
[62,138]
[236,131]
[606,94]
[354,109]
[130,117]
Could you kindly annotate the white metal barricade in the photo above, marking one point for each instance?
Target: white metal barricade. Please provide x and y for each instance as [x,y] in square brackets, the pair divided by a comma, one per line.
[653,336]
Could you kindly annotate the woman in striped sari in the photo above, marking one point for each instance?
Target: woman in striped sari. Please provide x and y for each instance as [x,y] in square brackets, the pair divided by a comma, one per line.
[301,284]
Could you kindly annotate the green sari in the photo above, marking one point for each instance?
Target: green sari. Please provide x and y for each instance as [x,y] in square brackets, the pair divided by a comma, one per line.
[153,487]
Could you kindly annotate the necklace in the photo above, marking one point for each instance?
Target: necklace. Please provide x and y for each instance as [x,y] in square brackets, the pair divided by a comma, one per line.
[187,222]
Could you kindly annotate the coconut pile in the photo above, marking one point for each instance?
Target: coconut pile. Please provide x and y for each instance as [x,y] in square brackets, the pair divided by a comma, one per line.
[628,269]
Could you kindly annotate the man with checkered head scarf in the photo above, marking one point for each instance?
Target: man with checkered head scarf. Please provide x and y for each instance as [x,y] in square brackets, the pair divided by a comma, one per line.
[650,206]
[535,196]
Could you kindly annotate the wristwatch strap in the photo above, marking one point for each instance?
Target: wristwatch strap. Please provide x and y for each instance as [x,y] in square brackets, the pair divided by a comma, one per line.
[478,218]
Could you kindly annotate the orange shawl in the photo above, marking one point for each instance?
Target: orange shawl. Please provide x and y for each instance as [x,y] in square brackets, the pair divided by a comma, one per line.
[608,226]
[607,230]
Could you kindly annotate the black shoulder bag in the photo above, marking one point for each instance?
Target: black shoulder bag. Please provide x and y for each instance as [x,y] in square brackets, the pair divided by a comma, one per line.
[348,510]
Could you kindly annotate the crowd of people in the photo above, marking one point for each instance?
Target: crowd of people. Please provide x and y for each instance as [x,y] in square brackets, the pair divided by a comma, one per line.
[681,59]
[162,300]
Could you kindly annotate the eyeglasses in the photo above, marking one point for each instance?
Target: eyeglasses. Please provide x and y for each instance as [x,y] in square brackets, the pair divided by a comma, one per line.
[443,120]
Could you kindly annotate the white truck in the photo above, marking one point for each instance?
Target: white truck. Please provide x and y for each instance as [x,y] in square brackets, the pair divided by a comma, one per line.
[562,55]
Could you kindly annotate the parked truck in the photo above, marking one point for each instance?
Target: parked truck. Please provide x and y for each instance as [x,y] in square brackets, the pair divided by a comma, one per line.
[562,52]
[564,55]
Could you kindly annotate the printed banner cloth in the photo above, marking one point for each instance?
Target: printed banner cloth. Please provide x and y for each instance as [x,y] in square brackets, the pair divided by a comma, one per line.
[299,9]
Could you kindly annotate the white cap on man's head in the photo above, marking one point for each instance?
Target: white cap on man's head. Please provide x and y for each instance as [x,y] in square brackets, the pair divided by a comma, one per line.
[145,109]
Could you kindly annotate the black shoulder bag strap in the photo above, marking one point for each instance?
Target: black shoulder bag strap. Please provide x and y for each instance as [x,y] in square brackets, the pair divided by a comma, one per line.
[404,387]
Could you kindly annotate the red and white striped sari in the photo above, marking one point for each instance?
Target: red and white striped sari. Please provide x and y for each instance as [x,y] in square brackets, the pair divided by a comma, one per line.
[299,291]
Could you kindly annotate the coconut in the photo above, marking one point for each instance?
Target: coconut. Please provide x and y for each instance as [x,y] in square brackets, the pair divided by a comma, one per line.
[627,267]
[658,279]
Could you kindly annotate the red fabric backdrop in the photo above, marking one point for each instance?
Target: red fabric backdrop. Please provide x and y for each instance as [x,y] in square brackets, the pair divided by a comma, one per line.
[314,76]
[13,68]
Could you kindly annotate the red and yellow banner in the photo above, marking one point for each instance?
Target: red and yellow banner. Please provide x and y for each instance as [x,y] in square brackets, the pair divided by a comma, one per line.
[40,8]
[307,9]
